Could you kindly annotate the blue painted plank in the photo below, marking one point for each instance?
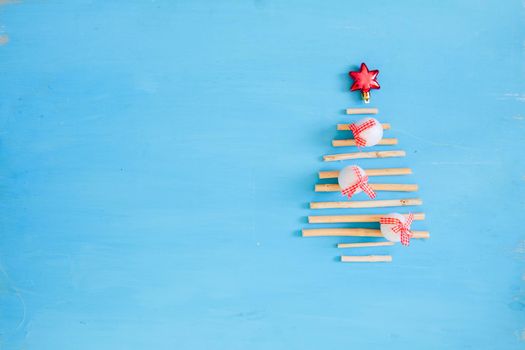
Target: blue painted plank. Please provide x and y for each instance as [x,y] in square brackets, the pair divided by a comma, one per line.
[157,158]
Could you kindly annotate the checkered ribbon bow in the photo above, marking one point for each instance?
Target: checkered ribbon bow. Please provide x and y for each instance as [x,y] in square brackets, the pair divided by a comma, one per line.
[357,130]
[362,183]
[403,228]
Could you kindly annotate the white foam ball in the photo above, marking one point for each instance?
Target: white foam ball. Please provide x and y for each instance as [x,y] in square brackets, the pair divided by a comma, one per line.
[347,177]
[372,135]
[386,229]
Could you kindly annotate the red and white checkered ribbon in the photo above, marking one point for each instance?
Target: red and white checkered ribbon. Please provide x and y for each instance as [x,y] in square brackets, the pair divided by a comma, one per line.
[403,228]
[358,129]
[362,183]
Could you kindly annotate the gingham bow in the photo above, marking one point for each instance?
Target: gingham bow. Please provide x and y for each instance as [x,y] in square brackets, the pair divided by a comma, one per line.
[403,228]
[362,183]
[358,129]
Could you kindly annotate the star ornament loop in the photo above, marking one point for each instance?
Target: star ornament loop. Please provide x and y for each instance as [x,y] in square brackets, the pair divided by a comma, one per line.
[364,80]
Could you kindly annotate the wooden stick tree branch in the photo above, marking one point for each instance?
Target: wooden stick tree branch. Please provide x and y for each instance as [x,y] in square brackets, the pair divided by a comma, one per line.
[344,127]
[366,258]
[331,219]
[362,111]
[362,245]
[367,204]
[354,232]
[351,142]
[363,155]
[375,187]
[370,172]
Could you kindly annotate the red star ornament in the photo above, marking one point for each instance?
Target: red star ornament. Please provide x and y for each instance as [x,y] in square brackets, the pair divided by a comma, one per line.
[364,80]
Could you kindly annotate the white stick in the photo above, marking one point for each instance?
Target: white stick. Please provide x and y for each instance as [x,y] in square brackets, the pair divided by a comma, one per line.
[362,155]
[367,204]
[352,142]
[354,232]
[375,187]
[361,111]
[331,219]
[370,172]
[366,258]
[367,244]
[344,127]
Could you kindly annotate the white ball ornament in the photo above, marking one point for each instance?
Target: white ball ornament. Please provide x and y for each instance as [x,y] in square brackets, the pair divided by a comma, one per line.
[396,227]
[367,132]
[347,177]
[353,179]
[387,229]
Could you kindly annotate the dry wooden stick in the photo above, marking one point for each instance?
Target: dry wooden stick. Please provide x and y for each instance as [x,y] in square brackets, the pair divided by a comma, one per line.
[330,219]
[362,155]
[354,232]
[366,258]
[351,142]
[367,244]
[370,172]
[375,187]
[361,111]
[367,204]
[344,127]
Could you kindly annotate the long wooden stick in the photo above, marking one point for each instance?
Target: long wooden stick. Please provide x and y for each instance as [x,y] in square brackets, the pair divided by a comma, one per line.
[366,258]
[351,142]
[375,187]
[367,244]
[361,111]
[369,172]
[344,127]
[354,232]
[362,155]
[331,219]
[367,204]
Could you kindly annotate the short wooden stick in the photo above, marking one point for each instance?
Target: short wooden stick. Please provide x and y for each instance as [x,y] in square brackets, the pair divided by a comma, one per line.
[363,155]
[354,232]
[367,204]
[361,111]
[332,219]
[362,245]
[366,258]
[370,172]
[344,127]
[375,187]
[351,142]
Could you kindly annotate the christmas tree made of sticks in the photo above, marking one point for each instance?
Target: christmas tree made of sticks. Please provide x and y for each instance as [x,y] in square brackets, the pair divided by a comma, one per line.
[352,180]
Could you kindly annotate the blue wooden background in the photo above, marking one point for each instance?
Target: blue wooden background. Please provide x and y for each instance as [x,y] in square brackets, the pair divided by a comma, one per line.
[157,158]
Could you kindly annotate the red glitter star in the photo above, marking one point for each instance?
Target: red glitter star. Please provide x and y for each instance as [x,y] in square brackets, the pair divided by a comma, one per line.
[364,79]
